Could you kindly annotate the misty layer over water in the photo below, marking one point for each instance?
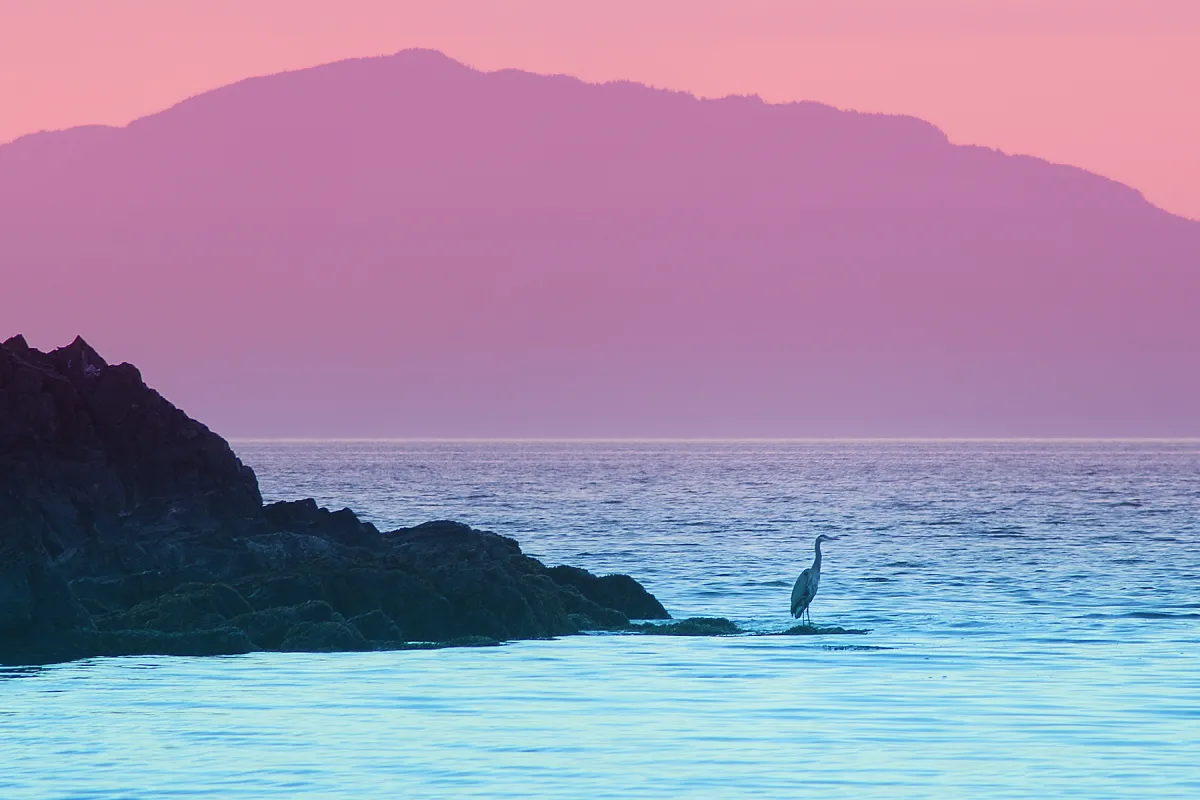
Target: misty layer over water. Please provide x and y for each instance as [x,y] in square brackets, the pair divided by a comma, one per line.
[1033,607]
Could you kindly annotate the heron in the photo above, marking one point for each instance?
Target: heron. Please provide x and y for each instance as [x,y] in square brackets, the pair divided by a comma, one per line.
[806,585]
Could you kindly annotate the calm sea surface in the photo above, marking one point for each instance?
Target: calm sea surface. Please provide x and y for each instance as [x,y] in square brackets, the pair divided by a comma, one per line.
[1033,607]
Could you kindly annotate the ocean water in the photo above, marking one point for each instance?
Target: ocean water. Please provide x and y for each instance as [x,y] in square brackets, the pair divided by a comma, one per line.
[1033,612]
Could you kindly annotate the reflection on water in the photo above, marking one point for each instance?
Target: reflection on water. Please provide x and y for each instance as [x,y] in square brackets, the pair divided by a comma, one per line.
[1031,607]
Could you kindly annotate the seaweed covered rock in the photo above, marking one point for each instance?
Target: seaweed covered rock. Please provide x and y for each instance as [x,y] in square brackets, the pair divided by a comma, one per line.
[817,630]
[126,527]
[692,626]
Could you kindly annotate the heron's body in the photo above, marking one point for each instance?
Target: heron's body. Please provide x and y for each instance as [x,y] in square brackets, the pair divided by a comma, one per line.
[806,585]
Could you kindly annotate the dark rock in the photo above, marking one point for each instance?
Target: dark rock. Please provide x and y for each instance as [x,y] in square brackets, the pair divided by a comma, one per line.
[219,641]
[282,590]
[34,599]
[377,626]
[128,528]
[109,593]
[186,608]
[816,630]
[693,626]
[324,637]
[305,516]
[599,619]
[619,592]
[270,628]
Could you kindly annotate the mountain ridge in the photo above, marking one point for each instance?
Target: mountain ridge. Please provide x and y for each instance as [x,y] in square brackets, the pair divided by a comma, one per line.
[438,58]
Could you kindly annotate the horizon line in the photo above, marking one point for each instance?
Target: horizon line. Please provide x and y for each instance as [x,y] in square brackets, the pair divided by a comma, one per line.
[703,439]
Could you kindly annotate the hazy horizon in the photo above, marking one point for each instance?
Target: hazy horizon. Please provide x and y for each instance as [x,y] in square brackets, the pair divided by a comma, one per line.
[407,246]
[702,440]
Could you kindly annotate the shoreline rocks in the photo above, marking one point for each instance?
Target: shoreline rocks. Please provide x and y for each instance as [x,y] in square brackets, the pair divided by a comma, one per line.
[128,528]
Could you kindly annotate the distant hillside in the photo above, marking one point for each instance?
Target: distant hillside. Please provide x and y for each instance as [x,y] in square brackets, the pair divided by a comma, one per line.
[407,246]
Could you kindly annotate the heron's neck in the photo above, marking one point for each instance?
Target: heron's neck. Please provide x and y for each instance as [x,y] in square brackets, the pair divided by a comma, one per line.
[817,547]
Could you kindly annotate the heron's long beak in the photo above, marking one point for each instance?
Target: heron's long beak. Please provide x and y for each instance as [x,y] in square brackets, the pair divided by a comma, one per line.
[832,538]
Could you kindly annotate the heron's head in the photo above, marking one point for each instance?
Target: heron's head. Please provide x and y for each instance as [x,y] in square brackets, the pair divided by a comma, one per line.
[826,538]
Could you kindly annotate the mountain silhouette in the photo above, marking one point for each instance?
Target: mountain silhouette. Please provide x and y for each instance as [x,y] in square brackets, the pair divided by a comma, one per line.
[408,246]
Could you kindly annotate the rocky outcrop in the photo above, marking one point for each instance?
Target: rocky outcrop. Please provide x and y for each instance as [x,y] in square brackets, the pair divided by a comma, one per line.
[127,527]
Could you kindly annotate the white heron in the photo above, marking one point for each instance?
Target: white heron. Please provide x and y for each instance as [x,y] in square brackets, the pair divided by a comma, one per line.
[806,585]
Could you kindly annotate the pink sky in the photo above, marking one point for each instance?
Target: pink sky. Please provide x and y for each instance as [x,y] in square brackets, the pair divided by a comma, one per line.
[1108,85]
